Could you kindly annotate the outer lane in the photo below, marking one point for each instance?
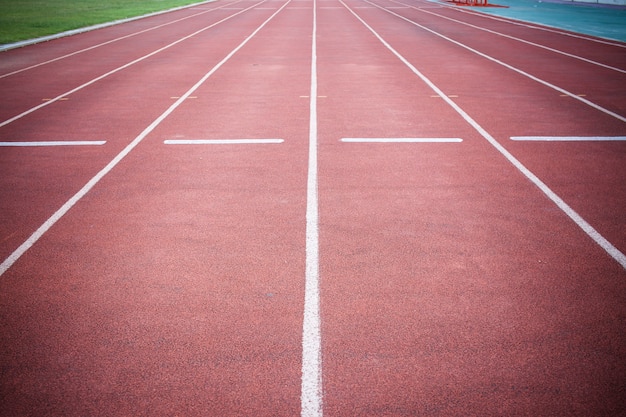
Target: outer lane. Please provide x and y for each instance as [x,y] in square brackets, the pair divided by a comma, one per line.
[41,53]
[115,109]
[602,50]
[174,287]
[28,85]
[599,84]
[509,104]
[450,284]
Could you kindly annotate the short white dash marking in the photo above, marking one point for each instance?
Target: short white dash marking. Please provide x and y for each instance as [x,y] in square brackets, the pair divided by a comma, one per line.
[569,138]
[220,141]
[401,140]
[55,143]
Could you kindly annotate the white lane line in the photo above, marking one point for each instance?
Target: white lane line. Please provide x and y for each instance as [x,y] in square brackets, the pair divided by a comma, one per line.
[101,77]
[569,138]
[311,389]
[560,203]
[511,67]
[401,140]
[55,143]
[8,262]
[220,141]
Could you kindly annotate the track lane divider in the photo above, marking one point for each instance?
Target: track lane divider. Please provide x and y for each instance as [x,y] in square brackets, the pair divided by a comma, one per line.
[55,143]
[220,141]
[8,262]
[311,388]
[504,64]
[401,140]
[570,138]
[610,249]
[118,69]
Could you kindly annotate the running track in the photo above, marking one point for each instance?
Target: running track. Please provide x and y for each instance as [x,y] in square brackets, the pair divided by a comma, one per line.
[465,268]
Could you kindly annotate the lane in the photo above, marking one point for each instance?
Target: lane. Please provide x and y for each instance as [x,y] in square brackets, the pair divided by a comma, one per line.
[506,103]
[175,287]
[43,85]
[592,48]
[449,284]
[545,67]
[115,109]
[542,43]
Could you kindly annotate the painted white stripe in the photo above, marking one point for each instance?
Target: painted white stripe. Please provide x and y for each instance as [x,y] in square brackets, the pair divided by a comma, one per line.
[402,140]
[560,203]
[569,138]
[56,143]
[8,262]
[220,141]
[311,389]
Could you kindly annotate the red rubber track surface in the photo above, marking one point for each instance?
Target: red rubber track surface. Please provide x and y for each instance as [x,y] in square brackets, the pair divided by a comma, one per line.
[450,284]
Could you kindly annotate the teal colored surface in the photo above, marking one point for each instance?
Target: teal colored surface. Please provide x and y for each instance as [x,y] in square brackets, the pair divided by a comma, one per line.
[592,19]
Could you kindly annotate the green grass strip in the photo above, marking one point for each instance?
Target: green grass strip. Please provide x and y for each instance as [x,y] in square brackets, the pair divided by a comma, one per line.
[29,19]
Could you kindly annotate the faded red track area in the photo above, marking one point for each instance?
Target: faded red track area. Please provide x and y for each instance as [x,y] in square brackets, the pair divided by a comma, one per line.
[456,272]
